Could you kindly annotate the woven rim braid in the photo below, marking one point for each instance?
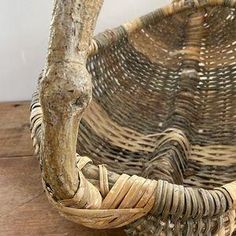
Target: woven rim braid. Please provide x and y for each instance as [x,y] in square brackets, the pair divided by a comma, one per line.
[156,146]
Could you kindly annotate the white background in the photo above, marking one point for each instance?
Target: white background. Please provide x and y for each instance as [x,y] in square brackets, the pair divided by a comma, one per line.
[24,34]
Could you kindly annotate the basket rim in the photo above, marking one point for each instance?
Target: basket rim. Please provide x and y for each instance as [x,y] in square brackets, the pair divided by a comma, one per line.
[108,37]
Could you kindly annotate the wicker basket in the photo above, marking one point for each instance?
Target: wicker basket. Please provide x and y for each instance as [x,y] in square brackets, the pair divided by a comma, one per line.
[155,150]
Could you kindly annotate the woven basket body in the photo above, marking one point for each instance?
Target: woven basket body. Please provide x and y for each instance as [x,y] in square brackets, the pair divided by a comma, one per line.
[160,128]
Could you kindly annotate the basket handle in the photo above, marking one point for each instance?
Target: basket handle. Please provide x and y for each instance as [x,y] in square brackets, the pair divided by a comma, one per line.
[65,91]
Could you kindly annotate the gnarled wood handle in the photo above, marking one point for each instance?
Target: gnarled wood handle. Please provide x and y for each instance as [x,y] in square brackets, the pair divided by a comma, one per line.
[65,91]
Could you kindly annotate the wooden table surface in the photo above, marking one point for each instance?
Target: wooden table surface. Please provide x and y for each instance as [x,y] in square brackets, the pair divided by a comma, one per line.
[24,209]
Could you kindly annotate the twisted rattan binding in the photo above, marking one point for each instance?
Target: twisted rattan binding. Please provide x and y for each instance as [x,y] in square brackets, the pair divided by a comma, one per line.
[157,144]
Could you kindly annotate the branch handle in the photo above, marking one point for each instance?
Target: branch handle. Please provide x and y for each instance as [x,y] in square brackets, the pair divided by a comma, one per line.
[65,91]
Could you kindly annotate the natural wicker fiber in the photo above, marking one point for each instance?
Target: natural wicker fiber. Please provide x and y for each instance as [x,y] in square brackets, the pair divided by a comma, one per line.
[157,143]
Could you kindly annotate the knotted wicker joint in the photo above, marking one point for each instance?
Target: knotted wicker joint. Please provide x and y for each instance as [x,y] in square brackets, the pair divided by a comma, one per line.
[132,197]
[165,144]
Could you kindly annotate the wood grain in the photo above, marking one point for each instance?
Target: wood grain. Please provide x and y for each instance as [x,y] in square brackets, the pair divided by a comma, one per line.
[14,130]
[24,209]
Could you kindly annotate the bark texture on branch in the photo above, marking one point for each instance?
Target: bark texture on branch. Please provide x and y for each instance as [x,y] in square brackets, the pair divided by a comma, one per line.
[65,91]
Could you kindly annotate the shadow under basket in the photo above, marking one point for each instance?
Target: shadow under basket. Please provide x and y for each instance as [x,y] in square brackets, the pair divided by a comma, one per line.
[136,127]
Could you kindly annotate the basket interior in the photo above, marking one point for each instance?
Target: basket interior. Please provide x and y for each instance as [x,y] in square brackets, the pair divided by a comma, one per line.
[136,81]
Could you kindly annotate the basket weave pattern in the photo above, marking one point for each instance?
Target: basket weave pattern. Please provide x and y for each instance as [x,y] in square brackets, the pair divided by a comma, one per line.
[155,148]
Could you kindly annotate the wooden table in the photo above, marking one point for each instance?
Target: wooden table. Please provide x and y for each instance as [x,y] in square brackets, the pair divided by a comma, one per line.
[24,209]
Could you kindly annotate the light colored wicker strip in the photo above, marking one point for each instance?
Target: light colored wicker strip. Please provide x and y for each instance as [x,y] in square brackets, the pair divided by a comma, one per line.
[231,188]
[103,180]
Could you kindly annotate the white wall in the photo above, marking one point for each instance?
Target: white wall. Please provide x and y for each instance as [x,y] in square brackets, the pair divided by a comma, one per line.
[24,33]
